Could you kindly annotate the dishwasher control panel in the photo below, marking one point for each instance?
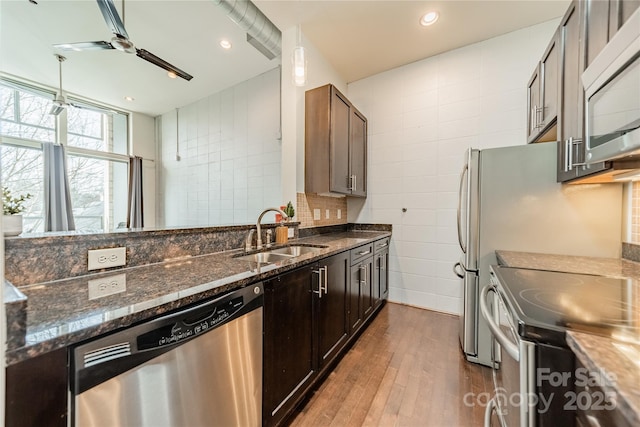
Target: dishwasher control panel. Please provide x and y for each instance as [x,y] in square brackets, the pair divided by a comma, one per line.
[192,324]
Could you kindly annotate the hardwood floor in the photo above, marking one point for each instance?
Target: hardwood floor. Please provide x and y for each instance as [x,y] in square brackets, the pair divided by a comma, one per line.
[405,370]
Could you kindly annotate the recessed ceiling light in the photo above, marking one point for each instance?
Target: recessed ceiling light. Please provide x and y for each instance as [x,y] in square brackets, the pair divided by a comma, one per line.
[225,44]
[129,98]
[172,75]
[429,18]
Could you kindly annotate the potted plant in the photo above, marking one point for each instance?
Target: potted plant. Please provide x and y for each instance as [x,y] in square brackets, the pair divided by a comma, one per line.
[12,208]
[289,211]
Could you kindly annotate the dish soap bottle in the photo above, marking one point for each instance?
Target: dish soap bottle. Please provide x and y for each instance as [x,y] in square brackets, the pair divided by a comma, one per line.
[282,234]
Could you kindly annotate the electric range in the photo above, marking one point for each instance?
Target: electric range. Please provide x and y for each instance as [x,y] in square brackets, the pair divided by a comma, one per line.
[529,313]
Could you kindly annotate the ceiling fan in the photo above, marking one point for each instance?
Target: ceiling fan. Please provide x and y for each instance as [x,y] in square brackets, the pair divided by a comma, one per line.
[121,41]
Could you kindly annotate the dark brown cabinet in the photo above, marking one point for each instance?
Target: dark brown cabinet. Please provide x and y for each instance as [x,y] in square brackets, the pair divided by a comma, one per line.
[333,326]
[542,95]
[37,391]
[335,144]
[305,329]
[288,363]
[361,302]
[381,272]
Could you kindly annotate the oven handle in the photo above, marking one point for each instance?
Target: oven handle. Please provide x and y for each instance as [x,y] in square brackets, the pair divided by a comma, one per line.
[491,406]
[502,339]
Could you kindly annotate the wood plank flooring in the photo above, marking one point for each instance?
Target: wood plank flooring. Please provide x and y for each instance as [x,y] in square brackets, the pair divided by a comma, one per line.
[406,369]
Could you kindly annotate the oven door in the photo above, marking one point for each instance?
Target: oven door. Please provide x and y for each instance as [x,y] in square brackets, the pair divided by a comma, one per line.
[513,363]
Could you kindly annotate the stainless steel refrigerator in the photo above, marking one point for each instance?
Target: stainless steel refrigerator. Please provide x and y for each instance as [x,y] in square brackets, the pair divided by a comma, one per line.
[509,200]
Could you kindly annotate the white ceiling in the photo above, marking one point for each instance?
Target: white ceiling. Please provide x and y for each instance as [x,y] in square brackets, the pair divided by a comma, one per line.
[359,38]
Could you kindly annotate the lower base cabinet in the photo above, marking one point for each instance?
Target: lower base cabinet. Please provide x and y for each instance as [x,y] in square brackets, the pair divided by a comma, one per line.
[37,392]
[310,316]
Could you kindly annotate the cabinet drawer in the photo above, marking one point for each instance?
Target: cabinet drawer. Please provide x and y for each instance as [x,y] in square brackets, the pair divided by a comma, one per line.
[361,252]
[380,244]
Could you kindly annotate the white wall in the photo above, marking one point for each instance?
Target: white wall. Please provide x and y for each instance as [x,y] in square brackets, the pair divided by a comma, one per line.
[230,156]
[422,118]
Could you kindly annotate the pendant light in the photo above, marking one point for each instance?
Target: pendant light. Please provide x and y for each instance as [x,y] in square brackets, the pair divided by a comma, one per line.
[299,62]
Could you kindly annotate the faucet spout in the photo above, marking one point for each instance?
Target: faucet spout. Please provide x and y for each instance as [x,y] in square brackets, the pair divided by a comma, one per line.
[258,226]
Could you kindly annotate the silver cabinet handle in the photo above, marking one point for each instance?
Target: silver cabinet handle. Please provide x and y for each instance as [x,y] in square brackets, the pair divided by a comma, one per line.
[539,121]
[384,245]
[363,273]
[566,155]
[465,170]
[319,273]
[326,280]
[509,346]
[364,253]
[570,154]
[355,183]
[456,272]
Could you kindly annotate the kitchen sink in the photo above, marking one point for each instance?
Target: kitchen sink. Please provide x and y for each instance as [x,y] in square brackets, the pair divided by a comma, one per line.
[264,257]
[279,254]
[295,251]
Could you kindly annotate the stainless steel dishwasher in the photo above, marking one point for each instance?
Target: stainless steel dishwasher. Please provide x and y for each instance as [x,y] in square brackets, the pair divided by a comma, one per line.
[198,367]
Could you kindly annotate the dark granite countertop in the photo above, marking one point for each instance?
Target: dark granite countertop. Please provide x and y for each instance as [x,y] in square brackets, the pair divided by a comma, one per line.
[617,363]
[611,267]
[59,313]
[617,357]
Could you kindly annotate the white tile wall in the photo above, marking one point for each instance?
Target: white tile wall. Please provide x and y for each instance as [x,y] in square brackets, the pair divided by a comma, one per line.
[422,118]
[229,168]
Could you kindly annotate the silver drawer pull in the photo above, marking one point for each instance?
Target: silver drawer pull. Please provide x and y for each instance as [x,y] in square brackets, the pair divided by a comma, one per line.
[364,253]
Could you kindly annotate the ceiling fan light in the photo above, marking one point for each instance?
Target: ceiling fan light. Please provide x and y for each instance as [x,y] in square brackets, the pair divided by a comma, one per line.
[429,18]
[225,44]
[172,74]
[299,60]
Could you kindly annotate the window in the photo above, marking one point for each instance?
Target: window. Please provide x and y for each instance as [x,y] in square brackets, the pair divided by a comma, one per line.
[97,162]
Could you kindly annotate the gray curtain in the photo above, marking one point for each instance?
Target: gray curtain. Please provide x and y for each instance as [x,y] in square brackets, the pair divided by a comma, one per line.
[58,215]
[134,209]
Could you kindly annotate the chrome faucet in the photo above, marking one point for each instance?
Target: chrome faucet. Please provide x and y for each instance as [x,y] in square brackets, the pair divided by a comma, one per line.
[259,238]
[249,240]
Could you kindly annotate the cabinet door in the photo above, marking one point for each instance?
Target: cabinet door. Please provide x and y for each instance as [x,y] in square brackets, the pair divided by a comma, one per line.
[366,280]
[37,391]
[333,325]
[358,147]
[570,122]
[288,341]
[596,28]
[550,80]
[619,12]
[339,143]
[355,298]
[533,105]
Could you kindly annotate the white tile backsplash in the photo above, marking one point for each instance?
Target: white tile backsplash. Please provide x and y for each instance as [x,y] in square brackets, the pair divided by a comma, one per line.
[422,118]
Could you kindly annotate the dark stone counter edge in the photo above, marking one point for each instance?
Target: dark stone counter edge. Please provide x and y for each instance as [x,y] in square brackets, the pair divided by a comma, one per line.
[631,251]
[621,404]
[69,237]
[29,351]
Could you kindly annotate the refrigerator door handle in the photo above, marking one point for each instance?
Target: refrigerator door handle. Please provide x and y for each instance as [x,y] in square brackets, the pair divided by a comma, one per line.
[463,245]
[456,271]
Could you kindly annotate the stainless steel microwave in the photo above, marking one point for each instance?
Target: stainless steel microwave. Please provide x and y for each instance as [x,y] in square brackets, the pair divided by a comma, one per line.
[612,97]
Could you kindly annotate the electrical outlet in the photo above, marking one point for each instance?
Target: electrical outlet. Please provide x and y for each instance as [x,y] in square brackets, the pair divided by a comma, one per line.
[106,286]
[316,215]
[107,258]
[291,233]
[339,213]
[327,214]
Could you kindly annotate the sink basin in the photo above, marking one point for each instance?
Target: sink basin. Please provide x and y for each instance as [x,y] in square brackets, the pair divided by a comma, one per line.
[264,257]
[294,251]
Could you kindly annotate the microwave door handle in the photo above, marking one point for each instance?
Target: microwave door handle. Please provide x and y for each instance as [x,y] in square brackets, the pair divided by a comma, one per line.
[506,343]
[463,174]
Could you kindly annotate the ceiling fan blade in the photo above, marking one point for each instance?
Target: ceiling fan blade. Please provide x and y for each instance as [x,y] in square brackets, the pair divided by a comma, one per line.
[84,46]
[148,56]
[112,18]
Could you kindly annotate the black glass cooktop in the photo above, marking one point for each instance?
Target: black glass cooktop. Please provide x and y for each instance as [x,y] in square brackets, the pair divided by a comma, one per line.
[547,303]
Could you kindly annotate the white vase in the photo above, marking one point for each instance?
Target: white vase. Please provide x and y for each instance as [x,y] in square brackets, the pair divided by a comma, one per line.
[12,225]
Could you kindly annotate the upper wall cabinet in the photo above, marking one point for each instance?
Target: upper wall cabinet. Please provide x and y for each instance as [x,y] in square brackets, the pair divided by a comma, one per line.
[335,144]
[542,95]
